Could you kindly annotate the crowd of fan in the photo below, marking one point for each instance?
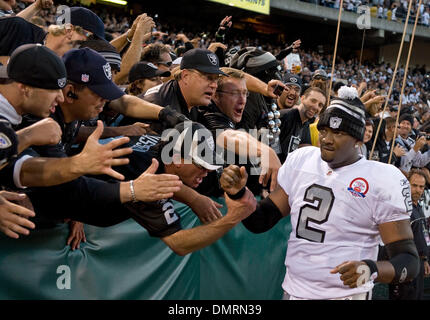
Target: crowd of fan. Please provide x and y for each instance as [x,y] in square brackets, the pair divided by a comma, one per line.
[383,9]
[167,79]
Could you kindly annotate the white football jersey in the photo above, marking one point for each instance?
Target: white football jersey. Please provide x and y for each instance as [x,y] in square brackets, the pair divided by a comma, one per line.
[335,215]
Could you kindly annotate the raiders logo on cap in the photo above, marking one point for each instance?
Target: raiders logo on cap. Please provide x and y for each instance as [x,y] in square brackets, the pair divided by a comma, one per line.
[62,82]
[4,141]
[213,59]
[335,122]
[107,70]
[151,65]
[293,80]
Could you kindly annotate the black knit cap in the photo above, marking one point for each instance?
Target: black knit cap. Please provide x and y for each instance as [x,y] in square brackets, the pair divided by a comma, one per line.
[407,117]
[345,114]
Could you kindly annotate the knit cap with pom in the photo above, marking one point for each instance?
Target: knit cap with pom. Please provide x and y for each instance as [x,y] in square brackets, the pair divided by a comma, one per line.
[345,113]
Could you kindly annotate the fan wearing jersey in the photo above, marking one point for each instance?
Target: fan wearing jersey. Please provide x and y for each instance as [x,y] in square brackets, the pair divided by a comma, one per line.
[341,206]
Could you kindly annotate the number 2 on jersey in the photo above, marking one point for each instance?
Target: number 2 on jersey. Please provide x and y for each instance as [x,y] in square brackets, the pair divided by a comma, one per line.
[314,213]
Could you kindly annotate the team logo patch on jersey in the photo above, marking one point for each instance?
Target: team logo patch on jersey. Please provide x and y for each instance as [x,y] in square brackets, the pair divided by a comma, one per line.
[358,187]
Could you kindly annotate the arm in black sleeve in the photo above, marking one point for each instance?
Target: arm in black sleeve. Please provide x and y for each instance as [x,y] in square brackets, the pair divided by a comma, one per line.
[85,199]
[281,55]
[264,217]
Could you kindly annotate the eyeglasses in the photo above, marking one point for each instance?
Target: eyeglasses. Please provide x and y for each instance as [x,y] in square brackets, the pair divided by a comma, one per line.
[208,76]
[79,30]
[167,64]
[236,93]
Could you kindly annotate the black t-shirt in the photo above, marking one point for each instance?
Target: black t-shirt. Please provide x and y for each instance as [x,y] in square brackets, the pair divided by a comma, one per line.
[293,132]
[16,31]
[159,217]
[254,113]
[69,131]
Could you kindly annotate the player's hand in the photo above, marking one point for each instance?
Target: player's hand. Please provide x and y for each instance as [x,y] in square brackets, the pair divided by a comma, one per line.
[233,179]
[352,274]
[206,209]
[76,234]
[270,165]
[150,187]
[96,158]
[242,208]
[14,219]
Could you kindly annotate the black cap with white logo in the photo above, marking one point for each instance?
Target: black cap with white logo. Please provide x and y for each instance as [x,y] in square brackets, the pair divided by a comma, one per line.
[292,79]
[86,66]
[37,66]
[145,70]
[202,60]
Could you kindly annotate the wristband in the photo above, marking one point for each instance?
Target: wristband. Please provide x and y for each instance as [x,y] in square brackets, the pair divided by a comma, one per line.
[238,195]
[127,37]
[133,195]
[373,268]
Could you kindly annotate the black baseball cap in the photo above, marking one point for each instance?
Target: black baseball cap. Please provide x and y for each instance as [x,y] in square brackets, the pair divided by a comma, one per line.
[292,79]
[144,70]
[86,66]
[8,142]
[202,60]
[193,141]
[88,20]
[37,66]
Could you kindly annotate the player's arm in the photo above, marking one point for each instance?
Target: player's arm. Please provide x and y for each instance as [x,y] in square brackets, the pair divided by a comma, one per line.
[243,144]
[402,266]
[268,211]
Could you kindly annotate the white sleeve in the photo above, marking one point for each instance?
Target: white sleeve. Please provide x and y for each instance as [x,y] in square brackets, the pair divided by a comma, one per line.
[394,203]
[421,159]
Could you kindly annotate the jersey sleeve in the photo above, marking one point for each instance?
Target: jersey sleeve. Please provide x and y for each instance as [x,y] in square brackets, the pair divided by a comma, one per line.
[394,202]
[158,218]
[286,172]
